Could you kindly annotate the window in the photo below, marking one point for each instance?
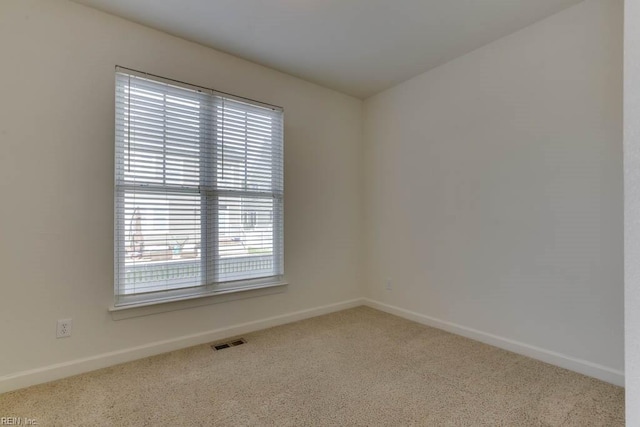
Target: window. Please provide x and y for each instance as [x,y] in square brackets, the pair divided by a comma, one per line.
[198,191]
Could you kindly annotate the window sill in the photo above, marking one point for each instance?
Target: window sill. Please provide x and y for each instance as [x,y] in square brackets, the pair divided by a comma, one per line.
[148,308]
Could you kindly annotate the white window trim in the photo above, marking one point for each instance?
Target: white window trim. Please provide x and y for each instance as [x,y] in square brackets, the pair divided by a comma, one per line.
[155,307]
[126,306]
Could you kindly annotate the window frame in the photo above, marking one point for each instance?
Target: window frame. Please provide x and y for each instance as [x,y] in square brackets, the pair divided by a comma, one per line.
[209,213]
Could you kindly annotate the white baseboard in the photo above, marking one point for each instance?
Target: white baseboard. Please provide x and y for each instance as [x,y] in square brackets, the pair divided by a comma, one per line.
[79,366]
[584,367]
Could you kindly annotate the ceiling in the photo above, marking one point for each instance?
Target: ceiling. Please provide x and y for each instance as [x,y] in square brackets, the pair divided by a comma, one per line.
[359,47]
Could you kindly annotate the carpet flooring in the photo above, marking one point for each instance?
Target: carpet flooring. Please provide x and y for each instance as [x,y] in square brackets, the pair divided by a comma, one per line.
[358,367]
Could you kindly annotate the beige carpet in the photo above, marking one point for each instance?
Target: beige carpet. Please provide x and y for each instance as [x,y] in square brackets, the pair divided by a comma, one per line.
[358,367]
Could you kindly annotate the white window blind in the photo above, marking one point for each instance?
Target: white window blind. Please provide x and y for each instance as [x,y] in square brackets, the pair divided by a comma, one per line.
[198,191]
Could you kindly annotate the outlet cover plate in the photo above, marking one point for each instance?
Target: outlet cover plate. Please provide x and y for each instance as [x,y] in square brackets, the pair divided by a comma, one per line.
[64,328]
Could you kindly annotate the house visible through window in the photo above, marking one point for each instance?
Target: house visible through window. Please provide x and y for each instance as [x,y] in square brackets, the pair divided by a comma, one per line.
[199,191]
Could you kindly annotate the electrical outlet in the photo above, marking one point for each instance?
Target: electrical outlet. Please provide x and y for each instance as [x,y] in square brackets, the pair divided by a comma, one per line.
[64,328]
[388,284]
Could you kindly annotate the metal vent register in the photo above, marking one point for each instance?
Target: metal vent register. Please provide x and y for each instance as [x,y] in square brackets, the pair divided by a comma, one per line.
[222,346]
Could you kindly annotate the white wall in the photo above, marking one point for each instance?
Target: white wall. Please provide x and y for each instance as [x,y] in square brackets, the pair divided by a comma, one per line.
[632,208]
[494,191]
[56,181]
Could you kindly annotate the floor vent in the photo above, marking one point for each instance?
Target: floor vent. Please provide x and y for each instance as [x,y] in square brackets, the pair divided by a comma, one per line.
[224,345]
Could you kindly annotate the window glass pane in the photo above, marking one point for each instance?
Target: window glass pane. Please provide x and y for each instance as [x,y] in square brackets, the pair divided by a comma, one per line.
[245,238]
[245,159]
[161,241]
[163,137]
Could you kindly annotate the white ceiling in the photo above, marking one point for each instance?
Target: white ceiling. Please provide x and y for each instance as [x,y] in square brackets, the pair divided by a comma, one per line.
[359,47]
